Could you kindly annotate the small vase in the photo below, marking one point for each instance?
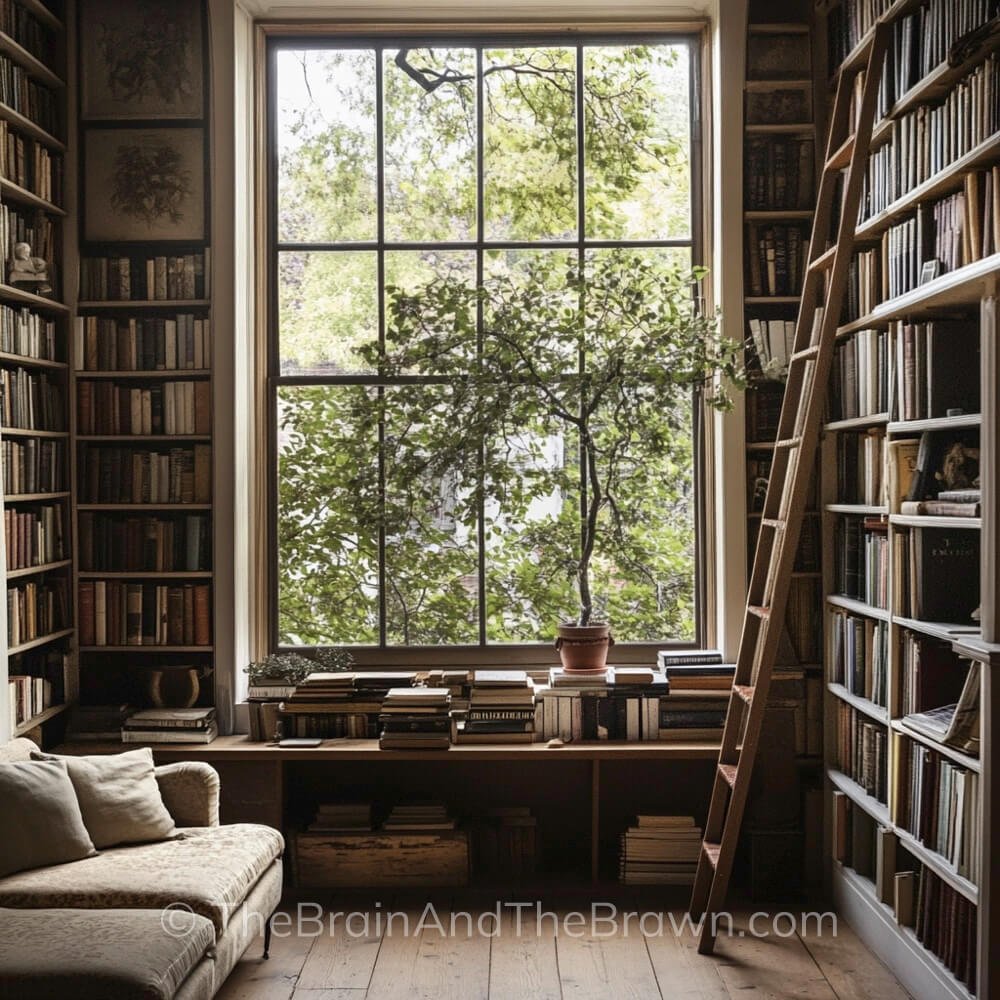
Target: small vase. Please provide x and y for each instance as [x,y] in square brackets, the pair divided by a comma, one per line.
[173,687]
[583,649]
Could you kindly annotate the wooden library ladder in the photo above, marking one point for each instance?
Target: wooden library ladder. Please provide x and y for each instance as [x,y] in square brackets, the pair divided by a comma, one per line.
[792,466]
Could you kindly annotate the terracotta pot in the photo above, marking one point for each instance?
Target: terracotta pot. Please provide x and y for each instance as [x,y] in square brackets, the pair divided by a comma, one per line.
[173,687]
[584,648]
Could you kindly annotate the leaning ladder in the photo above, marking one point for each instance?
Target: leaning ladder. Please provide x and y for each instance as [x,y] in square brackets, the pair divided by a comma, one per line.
[791,470]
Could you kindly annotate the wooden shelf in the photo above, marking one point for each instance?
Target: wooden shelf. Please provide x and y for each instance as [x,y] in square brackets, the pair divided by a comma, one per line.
[772,300]
[857,607]
[93,304]
[934,424]
[33,497]
[151,648]
[151,574]
[11,294]
[877,810]
[855,58]
[39,10]
[125,438]
[938,864]
[760,84]
[26,362]
[240,747]
[962,287]
[794,128]
[937,630]
[863,705]
[14,192]
[26,125]
[861,509]
[858,423]
[14,574]
[778,214]
[32,65]
[171,373]
[778,28]
[179,507]
[970,763]
[27,432]
[35,721]
[42,640]
[930,521]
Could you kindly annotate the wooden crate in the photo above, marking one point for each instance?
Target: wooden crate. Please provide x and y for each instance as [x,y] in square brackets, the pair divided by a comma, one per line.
[381,860]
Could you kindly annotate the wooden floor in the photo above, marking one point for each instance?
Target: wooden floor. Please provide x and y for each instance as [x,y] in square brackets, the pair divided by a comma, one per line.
[546,965]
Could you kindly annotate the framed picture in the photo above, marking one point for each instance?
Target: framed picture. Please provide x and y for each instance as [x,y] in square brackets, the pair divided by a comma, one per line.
[144,184]
[142,60]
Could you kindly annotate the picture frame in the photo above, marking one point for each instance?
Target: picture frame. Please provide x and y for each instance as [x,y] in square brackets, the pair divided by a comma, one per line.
[142,60]
[144,184]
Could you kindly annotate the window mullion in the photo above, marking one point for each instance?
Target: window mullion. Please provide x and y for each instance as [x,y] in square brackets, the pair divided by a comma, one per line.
[380,305]
[480,274]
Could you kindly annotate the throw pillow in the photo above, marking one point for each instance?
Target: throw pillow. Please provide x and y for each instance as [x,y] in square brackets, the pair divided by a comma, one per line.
[119,797]
[40,822]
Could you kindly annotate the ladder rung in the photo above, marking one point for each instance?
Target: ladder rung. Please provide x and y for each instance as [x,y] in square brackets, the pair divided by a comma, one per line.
[744,691]
[728,774]
[777,523]
[824,261]
[712,852]
[805,355]
[758,611]
[842,155]
[787,444]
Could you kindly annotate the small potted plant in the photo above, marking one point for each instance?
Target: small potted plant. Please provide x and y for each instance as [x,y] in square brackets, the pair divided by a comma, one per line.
[281,670]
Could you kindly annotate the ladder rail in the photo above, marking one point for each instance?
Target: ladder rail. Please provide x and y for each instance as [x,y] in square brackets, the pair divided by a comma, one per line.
[799,427]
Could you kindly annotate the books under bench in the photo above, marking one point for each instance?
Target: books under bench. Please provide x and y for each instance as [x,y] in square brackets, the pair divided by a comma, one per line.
[171,407]
[118,613]
[149,343]
[159,278]
[660,850]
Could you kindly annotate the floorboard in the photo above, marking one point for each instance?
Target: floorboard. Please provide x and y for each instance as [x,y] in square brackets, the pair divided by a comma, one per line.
[523,961]
[274,979]
[681,973]
[343,956]
[594,967]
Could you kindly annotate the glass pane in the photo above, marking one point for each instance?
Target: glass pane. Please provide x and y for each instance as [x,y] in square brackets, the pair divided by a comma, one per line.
[430,311]
[430,144]
[327,311]
[432,592]
[637,150]
[326,145]
[530,143]
[328,508]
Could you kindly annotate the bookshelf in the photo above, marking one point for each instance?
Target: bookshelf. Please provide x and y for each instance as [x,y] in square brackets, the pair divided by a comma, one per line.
[39,670]
[913,398]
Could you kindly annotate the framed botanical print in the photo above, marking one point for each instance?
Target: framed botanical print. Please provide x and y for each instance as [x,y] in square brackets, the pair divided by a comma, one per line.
[144,184]
[142,60]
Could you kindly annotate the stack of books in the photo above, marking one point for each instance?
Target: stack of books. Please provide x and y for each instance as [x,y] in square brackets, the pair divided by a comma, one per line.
[342,817]
[505,842]
[501,708]
[415,719]
[419,816]
[699,694]
[660,850]
[326,706]
[96,723]
[171,725]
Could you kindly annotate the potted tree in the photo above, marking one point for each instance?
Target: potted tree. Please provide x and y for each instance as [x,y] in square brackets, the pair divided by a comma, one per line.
[603,359]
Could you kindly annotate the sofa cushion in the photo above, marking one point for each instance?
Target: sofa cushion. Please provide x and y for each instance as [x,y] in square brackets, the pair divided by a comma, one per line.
[96,954]
[40,822]
[210,869]
[119,797]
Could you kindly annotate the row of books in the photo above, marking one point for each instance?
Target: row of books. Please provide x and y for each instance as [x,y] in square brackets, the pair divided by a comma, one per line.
[946,924]
[849,22]
[936,575]
[168,408]
[161,278]
[129,475]
[861,551]
[860,383]
[170,725]
[33,537]
[802,616]
[21,25]
[660,850]
[779,173]
[22,94]
[31,401]
[927,140]
[862,751]
[30,165]
[504,842]
[35,609]
[930,673]
[33,465]
[763,402]
[27,697]
[965,225]
[938,803]
[772,342]
[921,42]
[936,368]
[864,285]
[26,333]
[31,226]
[156,544]
[859,656]
[116,613]
[859,467]
[151,343]
[776,259]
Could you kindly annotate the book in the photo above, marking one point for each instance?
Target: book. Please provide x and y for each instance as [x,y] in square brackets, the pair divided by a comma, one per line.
[205,735]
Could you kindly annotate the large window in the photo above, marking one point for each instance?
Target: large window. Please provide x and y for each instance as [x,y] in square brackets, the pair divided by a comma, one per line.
[492,163]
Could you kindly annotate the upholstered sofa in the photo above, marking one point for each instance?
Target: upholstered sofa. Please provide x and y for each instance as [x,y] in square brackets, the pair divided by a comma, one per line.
[149,921]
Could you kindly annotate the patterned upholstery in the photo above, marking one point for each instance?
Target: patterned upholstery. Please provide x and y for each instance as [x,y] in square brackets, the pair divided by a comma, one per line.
[190,790]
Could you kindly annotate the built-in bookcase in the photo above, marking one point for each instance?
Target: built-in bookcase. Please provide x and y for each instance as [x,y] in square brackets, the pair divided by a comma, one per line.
[909,546]
[39,671]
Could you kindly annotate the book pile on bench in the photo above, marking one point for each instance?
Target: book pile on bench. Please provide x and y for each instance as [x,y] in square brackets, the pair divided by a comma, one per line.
[501,708]
[699,694]
[342,817]
[415,719]
[171,725]
[660,850]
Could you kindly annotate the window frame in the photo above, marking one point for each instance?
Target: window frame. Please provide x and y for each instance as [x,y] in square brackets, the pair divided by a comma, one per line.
[477,37]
